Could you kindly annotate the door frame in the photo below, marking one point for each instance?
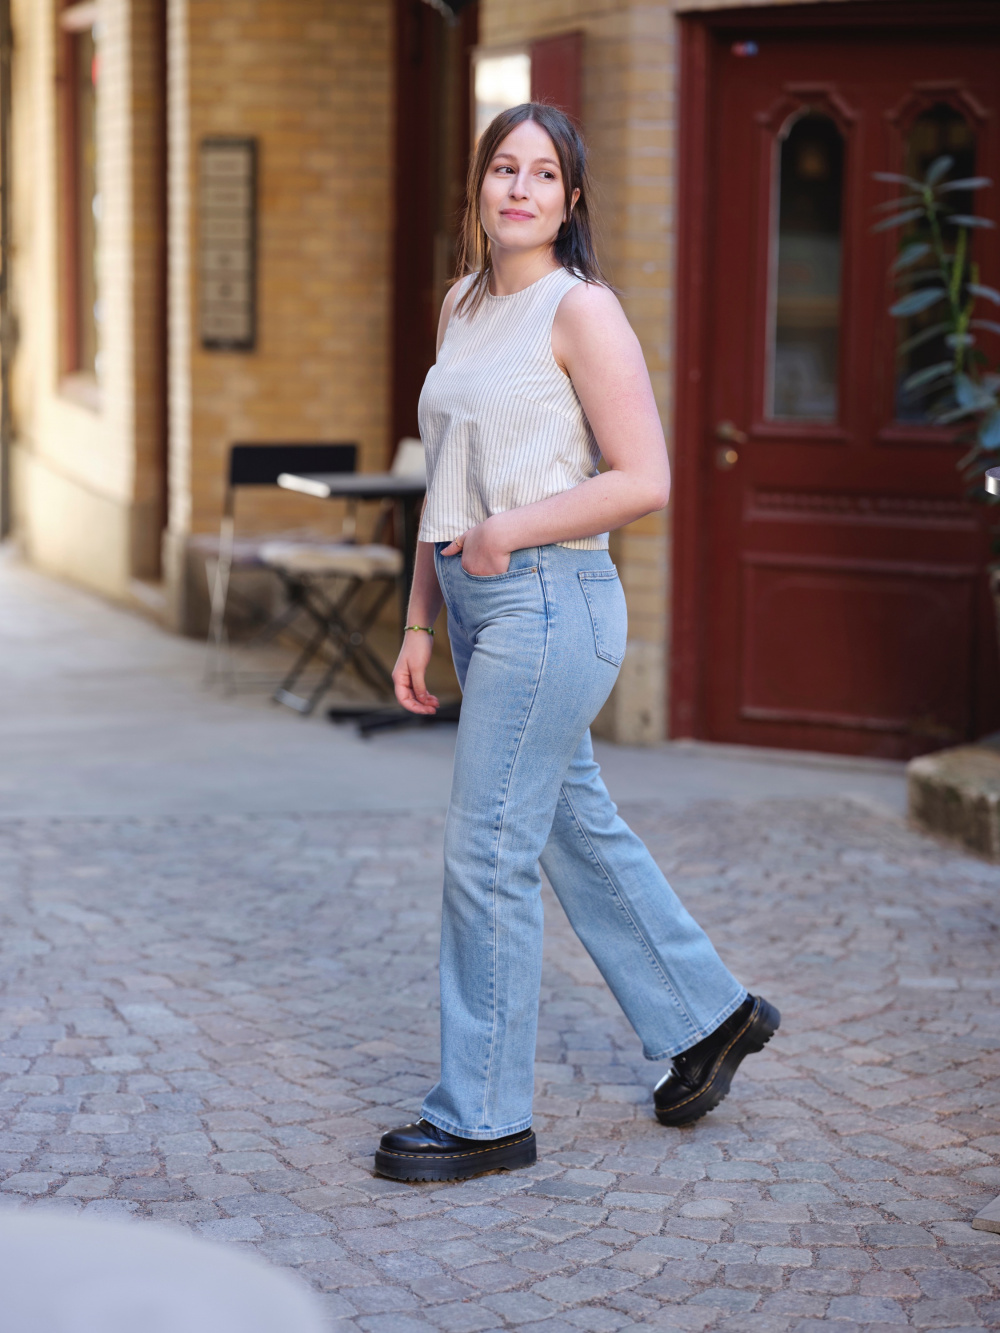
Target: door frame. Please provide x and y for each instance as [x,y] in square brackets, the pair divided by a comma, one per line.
[699,31]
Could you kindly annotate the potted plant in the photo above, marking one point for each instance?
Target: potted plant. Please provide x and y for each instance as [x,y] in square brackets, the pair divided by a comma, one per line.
[935,264]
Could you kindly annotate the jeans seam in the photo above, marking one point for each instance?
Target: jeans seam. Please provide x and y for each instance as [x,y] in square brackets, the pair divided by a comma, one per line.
[499,837]
[623,908]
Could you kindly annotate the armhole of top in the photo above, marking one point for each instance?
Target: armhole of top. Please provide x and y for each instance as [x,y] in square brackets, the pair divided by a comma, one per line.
[552,321]
[460,288]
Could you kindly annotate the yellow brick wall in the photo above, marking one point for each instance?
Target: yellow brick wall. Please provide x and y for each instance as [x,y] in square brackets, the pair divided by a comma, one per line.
[627,113]
[312,81]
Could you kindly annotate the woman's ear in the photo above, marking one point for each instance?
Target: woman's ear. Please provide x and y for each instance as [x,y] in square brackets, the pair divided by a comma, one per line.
[572,205]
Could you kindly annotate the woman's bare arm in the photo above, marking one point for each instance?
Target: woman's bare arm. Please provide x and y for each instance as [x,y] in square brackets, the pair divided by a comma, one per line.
[409,675]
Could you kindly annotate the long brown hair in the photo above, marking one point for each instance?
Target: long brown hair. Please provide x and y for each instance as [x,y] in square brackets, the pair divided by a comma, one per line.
[574,243]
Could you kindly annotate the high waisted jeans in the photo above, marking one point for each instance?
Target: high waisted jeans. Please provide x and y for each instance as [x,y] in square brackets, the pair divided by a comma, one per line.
[537,651]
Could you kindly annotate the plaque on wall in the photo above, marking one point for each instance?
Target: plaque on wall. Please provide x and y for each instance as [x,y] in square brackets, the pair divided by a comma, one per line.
[227,211]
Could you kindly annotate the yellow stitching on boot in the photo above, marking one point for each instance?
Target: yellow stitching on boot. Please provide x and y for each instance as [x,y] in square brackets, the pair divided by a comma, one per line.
[667,1110]
[452,1156]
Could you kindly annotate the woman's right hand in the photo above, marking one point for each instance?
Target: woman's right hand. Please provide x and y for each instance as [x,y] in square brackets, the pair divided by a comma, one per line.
[409,673]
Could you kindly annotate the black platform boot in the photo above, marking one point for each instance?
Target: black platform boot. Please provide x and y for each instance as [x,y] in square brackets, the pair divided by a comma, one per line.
[424,1152]
[699,1078]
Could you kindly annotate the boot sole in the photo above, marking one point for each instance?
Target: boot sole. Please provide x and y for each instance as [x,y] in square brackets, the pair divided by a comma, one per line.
[456,1166]
[761,1025]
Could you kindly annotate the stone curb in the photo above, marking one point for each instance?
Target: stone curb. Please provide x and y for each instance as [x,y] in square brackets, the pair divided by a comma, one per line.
[956,793]
[988,1218]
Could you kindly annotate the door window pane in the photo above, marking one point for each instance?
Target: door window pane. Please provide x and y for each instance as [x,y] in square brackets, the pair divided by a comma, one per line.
[501,80]
[937,132]
[804,332]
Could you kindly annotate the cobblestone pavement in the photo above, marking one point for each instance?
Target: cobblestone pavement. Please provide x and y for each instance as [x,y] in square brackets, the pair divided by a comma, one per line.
[210,1021]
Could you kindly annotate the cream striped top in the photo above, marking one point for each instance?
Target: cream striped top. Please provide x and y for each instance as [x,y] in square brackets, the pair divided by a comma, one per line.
[502,425]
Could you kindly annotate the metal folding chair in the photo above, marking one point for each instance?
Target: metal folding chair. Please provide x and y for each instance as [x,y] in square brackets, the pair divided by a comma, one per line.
[256,465]
[324,583]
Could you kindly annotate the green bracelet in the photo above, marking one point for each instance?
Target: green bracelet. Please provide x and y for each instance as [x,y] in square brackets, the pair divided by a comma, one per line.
[425,628]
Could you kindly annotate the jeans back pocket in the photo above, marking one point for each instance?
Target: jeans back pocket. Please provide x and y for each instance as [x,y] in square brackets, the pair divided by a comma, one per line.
[606,602]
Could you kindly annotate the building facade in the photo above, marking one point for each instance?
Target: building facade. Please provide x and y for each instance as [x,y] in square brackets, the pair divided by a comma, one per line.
[123,407]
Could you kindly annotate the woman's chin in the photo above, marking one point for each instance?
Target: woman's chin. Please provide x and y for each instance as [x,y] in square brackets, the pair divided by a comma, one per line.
[513,241]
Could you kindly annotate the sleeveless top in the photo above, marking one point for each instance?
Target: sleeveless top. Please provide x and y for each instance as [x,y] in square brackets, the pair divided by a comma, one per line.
[502,425]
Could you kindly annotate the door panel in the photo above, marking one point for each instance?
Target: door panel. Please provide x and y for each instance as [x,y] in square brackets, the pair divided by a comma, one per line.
[843,567]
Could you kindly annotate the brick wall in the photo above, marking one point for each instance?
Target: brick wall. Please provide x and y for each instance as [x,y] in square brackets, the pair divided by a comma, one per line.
[628,62]
[312,81]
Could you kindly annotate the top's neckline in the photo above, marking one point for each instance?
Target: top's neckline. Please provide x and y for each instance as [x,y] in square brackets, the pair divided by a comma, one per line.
[509,296]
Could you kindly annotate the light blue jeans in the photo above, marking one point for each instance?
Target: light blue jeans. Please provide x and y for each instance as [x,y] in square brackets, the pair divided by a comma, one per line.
[537,651]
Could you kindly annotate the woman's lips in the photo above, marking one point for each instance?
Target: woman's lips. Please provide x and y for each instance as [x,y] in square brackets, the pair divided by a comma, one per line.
[516,214]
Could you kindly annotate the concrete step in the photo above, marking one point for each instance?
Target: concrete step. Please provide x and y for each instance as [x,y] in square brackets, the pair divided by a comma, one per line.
[956,793]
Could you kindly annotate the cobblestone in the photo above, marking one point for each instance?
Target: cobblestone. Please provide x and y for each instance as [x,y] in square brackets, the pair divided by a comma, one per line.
[209,1022]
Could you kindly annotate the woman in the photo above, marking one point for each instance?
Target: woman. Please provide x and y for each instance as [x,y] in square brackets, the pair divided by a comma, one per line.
[538,375]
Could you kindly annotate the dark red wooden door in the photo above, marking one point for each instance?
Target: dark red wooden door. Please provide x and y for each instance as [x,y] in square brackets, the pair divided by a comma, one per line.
[843,572]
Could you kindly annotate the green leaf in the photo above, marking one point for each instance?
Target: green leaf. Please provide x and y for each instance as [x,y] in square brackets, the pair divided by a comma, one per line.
[973,397]
[927,376]
[989,431]
[899,221]
[988,324]
[987,293]
[917,301]
[938,169]
[910,254]
[919,275]
[900,202]
[969,183]
[956,414]
[969,220]
[893,179]
[924,336]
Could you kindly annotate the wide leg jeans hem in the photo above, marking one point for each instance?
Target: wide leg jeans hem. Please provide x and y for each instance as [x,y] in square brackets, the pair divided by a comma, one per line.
[726,1012]
[479,1135]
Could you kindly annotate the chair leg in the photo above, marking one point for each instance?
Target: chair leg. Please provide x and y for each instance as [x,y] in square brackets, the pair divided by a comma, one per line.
[301,595]
[338,640]
[364,659]
[350,635]
[217,658]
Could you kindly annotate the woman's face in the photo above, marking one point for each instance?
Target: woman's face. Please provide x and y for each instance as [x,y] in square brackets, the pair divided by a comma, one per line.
[523,199]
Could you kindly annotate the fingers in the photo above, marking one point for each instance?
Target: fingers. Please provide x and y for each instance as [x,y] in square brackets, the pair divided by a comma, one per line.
[412,693]
[455,547]
[421,693]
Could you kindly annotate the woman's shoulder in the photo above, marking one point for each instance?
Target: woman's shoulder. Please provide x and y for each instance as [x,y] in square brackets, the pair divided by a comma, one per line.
[452,296]
[590,323]
[587,306]
[584,298]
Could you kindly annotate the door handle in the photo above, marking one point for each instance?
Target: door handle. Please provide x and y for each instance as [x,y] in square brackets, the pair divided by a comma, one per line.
[727,430]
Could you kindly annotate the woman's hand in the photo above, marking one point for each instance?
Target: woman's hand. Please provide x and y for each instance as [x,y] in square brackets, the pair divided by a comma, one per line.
[408,675]
[482,550]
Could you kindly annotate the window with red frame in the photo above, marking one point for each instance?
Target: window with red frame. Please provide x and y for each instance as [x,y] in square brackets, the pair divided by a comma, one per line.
[80,202]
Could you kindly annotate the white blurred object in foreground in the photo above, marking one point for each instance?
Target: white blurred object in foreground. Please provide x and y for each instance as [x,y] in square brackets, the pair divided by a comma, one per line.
[84,1275]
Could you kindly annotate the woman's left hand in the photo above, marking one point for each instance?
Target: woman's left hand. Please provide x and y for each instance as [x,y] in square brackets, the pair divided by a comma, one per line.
[479,551]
